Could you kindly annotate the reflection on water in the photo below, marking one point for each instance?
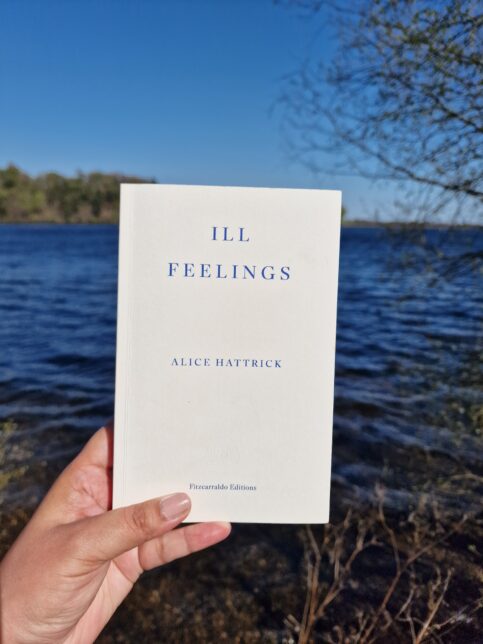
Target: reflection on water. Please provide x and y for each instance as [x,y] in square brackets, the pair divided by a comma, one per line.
[407,403]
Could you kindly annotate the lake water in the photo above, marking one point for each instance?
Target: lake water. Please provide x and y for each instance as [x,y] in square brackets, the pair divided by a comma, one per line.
[408,401]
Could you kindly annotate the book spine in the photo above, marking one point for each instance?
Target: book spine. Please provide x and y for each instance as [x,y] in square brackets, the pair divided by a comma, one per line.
[123,346]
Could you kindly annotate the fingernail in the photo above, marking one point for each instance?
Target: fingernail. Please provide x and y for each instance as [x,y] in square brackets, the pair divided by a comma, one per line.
[175,505]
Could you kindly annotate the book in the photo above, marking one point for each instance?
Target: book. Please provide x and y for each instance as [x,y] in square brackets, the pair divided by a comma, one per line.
[227,302]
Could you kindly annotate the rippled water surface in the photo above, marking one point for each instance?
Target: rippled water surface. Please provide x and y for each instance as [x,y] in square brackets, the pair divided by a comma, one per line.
[408,402]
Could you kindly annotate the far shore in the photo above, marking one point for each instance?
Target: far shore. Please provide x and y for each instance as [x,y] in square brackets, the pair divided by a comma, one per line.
[93,199]
[349,223]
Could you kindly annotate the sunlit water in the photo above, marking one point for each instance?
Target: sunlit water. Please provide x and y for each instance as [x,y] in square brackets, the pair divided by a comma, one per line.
[408,351]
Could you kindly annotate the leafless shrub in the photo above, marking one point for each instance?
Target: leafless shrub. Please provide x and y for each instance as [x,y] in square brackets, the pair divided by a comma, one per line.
[406,604]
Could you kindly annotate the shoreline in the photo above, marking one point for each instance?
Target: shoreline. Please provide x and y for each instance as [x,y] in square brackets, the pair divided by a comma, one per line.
[392,225]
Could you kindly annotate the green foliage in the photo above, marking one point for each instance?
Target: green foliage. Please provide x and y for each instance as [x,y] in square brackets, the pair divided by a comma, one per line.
[51,197]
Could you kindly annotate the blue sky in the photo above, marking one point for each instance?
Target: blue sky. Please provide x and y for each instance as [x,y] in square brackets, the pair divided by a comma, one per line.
[181,91]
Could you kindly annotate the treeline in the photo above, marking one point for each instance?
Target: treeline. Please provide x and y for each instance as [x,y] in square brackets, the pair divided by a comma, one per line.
[51,197]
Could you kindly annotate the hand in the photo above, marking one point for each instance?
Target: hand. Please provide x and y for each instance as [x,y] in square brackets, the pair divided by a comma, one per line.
[76,561]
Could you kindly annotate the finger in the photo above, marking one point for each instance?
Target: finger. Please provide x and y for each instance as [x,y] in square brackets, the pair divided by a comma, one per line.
[98,449]
[61,502]
[97,452]
[106,536]
[181,542]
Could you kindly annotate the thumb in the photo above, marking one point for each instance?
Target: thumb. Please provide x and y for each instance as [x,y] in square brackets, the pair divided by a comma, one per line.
[106,536]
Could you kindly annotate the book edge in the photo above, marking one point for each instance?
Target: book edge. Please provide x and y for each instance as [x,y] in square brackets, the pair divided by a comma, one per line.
[122,349]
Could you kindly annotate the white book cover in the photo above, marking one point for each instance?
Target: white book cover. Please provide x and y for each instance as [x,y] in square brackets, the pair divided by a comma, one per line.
[226,329]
